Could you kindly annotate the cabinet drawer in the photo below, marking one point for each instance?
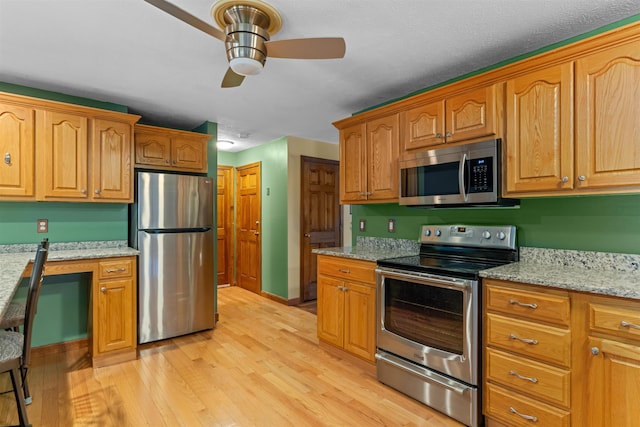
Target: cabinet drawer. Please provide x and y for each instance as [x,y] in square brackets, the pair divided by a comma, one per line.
[619,321]
[542,342]
[532,305]
[116,268]
[349,269]
[533,378]
[516,410]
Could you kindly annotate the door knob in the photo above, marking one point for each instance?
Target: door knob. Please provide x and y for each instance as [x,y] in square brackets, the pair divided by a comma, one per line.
[307,235]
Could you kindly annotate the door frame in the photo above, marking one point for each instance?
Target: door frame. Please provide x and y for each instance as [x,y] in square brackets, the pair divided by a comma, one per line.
[238,211]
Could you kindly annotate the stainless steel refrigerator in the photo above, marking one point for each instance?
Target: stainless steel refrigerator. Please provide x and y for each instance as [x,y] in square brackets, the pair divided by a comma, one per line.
[171,224]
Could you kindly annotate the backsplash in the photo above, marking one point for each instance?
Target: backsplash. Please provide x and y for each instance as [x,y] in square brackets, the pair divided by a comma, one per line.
[587,260]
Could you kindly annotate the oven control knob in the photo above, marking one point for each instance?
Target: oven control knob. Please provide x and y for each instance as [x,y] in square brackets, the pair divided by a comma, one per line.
[438,233]
[486,234]
[501,235]
[427,232]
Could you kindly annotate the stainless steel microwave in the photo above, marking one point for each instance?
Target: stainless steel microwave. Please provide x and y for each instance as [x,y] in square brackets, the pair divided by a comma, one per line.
[461,175]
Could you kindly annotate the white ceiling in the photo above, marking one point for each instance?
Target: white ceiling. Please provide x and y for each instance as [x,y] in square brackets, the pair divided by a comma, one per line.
[130,53]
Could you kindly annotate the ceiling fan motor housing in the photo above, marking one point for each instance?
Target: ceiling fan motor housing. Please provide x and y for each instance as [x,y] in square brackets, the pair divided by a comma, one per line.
[246,41]
[246,33]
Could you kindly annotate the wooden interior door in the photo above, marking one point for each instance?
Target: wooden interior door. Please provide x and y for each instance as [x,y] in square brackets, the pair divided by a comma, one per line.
[225,225]
[320,225]
[248,220]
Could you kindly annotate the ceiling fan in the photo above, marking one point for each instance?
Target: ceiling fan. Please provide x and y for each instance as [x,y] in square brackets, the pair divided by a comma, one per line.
[248,26]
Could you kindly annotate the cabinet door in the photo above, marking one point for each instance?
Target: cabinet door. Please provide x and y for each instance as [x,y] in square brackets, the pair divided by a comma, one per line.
[539,142]
[423,126]
[16,149]
[188,154]
[360,320]
[613,382]
[607,117]
[62,158]
[353,164]
[116,315]
[383,146]
[471,115]
[152,149]
[112,171]
[330,310]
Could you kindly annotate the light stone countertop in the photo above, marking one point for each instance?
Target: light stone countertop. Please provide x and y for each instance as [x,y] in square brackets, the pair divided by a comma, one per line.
[373,249]
[14,259]
[596,272]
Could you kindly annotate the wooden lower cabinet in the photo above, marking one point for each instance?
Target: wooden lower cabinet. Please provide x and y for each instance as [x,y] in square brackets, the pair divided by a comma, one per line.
[580,368]
[346,305]
[114,312]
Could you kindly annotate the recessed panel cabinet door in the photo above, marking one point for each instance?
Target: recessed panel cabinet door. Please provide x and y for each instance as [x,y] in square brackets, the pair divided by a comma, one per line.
[62,158]
[607,117]
[112,172]
[382,158]
[353,164]
[16,149]
[116,315]
[539,142]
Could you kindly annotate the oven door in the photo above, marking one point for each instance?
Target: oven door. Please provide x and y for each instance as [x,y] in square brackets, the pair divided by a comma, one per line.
[430,320]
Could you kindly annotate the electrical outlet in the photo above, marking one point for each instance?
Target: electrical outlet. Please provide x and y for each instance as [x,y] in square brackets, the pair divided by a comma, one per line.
[43,226]
[391,226]
[363,225]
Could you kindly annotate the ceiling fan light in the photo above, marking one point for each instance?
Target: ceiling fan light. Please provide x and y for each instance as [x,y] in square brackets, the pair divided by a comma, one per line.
[245,66]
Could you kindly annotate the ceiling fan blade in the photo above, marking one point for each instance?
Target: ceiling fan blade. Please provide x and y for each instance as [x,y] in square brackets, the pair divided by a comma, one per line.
[316,48]
[184,16]
[231,79]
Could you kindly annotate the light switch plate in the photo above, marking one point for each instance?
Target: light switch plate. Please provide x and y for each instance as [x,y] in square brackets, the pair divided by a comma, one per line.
[391,226]
[363,225]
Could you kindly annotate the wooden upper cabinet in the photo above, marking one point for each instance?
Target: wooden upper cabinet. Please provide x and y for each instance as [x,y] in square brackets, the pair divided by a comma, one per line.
[607,117]
[382,159]
[463,117]
[423,126]
[473,114]
[539,143]
[112,171]
[170,149]
[62,161]
[353,164]
[17,151]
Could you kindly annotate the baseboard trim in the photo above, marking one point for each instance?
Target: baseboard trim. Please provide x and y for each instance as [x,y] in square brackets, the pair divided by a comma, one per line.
[279,299]
[61,347]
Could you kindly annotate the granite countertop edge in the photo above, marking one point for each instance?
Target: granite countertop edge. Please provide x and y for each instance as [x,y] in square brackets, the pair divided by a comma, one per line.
[364,254]
[625,284]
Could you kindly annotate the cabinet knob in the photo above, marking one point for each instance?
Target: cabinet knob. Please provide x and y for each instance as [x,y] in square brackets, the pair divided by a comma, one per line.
[83,191]
[7,158]
[595,351]
[96,191]
[581,178]
[565,179]
[448,134]
[103,289]
[438,135]
[175,161]
[166,161]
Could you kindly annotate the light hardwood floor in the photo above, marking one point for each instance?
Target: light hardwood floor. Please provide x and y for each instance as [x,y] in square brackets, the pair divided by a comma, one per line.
[261,366]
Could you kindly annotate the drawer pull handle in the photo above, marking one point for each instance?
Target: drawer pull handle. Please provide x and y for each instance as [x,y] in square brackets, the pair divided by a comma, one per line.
[115,270]
[524,340]
[625,324]
[344,271]
[521,304]
[526,417]
[517,375]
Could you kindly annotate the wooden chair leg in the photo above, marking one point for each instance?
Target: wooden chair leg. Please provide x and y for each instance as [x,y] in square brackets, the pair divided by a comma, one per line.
[17,389]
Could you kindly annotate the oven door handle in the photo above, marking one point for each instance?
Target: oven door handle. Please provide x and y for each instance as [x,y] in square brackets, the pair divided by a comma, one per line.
[421,373]
[461,175]
[431,280]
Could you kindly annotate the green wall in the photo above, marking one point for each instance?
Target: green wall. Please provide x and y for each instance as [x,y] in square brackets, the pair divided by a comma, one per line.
[64,300]
[592,223]
[273,159]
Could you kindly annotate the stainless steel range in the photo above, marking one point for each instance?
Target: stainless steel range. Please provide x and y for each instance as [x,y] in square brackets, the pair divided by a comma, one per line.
[429,316]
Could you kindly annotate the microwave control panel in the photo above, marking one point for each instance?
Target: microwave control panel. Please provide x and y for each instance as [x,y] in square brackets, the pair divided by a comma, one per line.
[481,179]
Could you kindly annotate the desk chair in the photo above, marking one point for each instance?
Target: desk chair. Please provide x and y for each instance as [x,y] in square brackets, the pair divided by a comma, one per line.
[15,347]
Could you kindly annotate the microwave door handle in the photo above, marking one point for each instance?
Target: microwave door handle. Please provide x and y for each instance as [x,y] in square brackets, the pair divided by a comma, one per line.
[461,174]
